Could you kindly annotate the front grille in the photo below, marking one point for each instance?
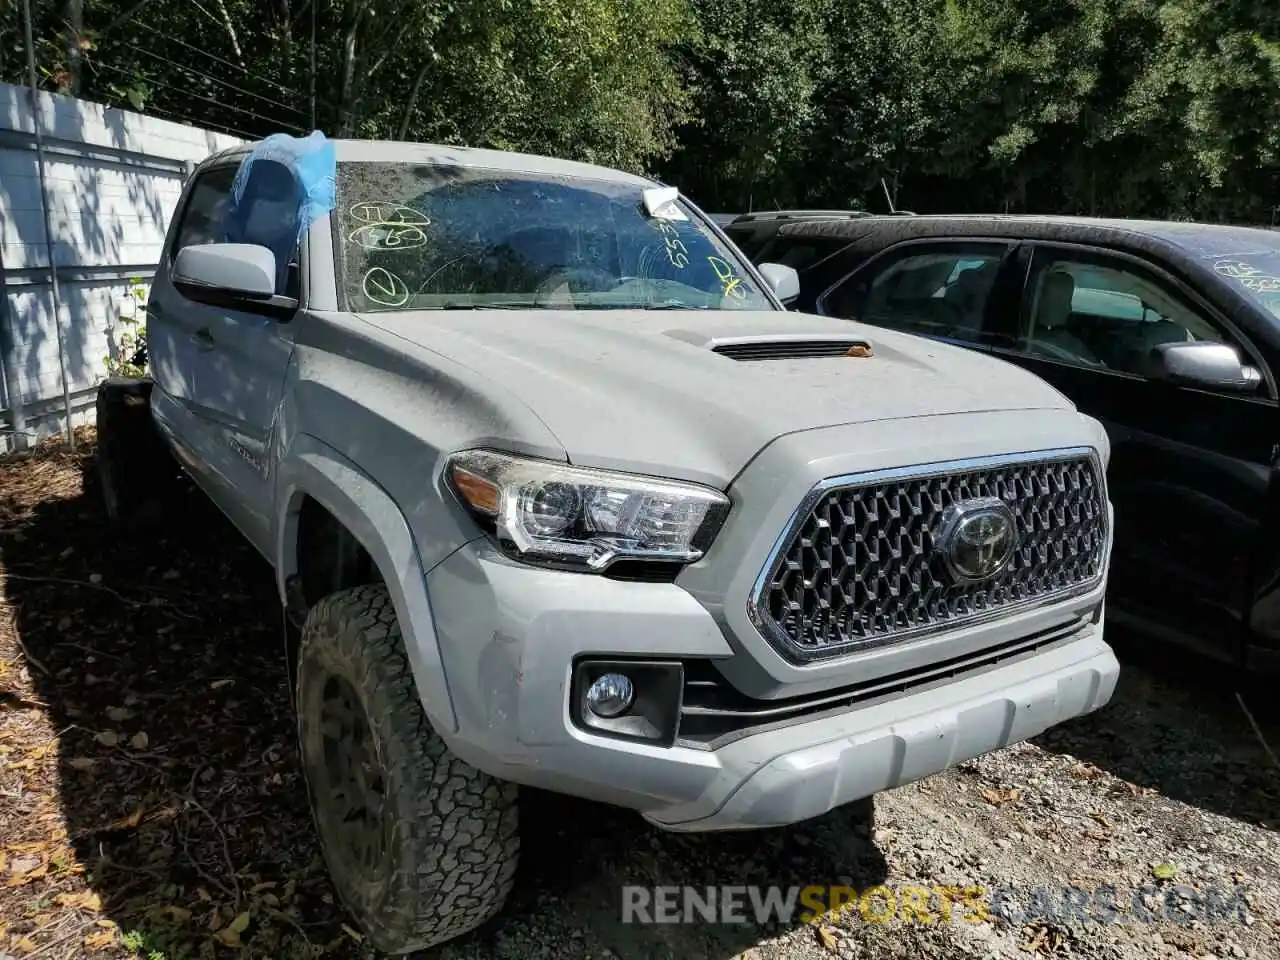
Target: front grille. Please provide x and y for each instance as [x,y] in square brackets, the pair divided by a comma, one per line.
[860,564]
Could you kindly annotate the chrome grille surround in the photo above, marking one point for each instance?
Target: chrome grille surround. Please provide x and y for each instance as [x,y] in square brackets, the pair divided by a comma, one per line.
[844,576]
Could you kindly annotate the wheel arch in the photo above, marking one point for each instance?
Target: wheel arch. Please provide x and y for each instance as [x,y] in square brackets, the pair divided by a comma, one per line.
[315,472]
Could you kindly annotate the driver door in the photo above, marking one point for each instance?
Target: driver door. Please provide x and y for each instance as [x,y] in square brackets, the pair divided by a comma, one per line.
[1190,467]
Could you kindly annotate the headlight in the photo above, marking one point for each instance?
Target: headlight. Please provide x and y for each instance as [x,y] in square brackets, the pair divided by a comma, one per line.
[585,518]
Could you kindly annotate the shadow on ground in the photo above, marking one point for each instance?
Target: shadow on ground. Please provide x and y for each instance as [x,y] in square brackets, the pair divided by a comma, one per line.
[158,657]
[1175,725]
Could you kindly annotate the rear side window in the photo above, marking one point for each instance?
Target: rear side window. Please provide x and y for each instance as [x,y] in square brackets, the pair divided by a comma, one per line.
[747,240]
[939,291]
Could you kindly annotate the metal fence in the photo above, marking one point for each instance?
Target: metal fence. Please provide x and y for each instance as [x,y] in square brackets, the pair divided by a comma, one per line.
[96,136]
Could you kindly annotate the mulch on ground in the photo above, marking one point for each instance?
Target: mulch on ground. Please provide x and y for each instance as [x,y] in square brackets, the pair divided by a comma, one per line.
[150,804]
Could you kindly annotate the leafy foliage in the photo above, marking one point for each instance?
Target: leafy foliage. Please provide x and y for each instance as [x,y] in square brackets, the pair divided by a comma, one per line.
[128,338]
[1109,107]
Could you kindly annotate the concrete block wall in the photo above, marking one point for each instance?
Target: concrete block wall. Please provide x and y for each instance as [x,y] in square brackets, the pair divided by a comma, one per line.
[113,179]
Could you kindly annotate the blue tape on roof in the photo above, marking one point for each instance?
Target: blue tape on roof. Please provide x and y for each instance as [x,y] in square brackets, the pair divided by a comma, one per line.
[283,185]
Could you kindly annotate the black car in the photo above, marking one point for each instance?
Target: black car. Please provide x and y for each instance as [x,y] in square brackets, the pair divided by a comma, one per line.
[1169,333]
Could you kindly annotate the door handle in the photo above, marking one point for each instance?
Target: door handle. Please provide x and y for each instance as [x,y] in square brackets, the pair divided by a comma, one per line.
[203,338]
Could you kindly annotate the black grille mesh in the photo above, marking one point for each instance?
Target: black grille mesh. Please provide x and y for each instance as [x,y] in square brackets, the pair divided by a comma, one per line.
[861,567]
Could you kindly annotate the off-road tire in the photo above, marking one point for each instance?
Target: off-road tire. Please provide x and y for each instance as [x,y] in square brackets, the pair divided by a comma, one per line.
[132,467]
[451,831]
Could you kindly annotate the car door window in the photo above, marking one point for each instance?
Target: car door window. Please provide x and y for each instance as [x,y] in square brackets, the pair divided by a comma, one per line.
[1108,314]
[938,290]
[205,214]
[267,215]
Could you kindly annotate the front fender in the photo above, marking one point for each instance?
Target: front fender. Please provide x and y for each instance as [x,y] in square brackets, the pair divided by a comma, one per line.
[313,468]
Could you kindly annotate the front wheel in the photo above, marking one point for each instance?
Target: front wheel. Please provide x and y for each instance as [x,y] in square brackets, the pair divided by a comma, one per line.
[421,847]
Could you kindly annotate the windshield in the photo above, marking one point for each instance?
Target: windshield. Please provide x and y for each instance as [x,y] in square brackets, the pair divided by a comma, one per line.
[1257,274]
[423,236]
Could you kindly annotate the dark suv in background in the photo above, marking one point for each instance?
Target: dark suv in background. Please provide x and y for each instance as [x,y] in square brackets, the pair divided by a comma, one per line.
[1167,332]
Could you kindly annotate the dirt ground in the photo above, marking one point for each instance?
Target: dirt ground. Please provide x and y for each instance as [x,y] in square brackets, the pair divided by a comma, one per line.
[151,806]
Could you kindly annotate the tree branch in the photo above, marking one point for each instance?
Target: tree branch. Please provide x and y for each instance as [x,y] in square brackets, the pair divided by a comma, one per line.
[412,103]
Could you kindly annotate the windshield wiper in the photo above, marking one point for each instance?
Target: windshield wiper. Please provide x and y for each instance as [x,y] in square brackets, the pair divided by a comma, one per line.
[497,305]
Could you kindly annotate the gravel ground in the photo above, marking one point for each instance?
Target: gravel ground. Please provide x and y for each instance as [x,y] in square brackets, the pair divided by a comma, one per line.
[150,803]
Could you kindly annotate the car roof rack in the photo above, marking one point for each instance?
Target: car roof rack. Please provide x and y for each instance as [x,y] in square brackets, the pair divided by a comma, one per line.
[802,215]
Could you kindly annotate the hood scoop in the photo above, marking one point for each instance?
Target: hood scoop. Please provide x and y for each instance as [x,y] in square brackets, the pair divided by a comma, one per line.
[791,348]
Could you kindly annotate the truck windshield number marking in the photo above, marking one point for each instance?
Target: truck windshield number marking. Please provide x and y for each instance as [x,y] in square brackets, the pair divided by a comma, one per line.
[383,287]
[388,236]
[384,211]
[730,283]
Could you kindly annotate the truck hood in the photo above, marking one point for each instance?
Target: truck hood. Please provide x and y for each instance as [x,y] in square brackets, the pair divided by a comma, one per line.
[647,391]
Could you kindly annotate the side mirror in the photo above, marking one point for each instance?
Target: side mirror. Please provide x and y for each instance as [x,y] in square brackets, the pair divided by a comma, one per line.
[783,280]
[243,268]
[1204,364]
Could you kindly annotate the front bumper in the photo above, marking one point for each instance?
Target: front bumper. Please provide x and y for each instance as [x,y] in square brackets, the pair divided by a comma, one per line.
[509,635]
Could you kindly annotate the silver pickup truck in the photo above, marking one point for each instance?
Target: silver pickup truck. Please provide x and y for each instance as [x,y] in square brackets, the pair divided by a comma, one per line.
[558,494]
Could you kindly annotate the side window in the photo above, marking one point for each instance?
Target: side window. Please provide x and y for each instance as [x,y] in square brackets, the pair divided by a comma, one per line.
[268,215]
[935,290]
[1097,312]
[206,209]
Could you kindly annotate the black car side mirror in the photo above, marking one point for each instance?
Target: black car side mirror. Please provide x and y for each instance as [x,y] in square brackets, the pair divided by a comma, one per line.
[1205,364]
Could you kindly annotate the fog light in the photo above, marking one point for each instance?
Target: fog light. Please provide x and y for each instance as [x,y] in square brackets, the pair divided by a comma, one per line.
[611,695]
[629,699]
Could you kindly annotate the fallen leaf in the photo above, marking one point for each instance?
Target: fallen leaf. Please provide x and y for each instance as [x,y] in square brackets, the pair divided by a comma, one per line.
[1164,871]
[103,938]
[26,945]
[139,740]
[219,684]
[240,924]
[85,900]
[19,877]
[81,763]
[828,939]
[229,937]
[127,823]
[119,714]
[22,865]
[108,738]
[95,578]
[357,937]
[1138,791]
[998,798]
[64,624]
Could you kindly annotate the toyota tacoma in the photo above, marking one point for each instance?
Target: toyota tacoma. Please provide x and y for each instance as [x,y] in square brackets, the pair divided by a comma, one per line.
[558,494]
